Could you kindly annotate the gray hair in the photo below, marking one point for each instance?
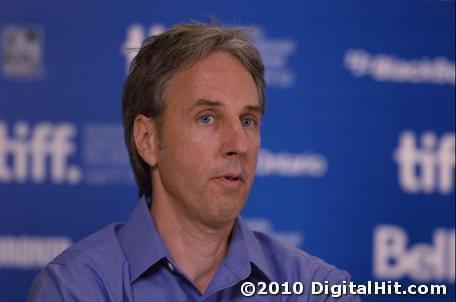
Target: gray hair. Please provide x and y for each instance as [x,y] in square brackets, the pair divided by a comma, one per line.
[159,58]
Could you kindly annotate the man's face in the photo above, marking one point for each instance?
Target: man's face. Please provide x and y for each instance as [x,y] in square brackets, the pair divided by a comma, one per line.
[209,140]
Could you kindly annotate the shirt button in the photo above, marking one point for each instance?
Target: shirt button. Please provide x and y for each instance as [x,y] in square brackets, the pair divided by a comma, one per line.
[170,266]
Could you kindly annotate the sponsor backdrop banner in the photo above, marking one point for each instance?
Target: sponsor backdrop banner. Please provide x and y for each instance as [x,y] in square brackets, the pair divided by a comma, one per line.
[357,159]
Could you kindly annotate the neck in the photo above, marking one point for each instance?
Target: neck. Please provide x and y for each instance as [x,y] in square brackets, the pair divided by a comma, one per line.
[197,249]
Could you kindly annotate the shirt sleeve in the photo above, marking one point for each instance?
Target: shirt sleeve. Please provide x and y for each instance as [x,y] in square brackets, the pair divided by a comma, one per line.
[62,282]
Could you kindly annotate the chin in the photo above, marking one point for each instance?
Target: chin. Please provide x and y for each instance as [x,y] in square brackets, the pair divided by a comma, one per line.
[224,214]
[220,222]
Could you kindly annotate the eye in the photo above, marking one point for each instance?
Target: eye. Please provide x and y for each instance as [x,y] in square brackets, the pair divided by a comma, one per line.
[206,119]
[248,122]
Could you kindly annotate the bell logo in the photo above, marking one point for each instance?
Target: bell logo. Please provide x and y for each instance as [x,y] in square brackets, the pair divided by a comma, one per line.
[427,168]
[30,151]
[394,259]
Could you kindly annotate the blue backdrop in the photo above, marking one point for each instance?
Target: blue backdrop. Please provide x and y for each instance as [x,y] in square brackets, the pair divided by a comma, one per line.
[357,161]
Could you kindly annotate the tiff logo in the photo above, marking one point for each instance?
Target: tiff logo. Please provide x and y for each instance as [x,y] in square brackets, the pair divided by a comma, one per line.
[135,37]
[428,167]
[275,52]
[28,153]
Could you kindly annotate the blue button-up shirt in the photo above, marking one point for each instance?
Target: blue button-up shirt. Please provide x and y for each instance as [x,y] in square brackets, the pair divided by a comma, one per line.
[130,262]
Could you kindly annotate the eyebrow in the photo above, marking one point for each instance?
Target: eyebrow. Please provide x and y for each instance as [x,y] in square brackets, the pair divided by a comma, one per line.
[206,102]
[211,103]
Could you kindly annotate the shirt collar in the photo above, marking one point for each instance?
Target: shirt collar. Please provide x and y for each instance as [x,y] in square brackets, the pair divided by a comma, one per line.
[141,241]
[144,247]
[254,251]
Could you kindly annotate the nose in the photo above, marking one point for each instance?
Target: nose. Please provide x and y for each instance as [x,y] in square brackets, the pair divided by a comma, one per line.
[235,139]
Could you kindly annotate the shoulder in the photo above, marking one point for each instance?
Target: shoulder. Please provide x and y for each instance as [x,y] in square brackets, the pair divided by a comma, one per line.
[97,250]
[85,270]
[289,263]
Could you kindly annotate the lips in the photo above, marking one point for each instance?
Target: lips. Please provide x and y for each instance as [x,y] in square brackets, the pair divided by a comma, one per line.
[230,181]
[232,177]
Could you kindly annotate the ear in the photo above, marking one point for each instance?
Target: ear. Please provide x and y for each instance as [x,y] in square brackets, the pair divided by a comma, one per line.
[145,135]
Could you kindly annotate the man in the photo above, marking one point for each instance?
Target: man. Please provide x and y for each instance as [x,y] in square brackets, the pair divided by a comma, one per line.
[192,110]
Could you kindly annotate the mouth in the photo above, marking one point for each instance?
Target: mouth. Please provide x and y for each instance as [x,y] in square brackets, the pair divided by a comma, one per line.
[230,180]
[232,177]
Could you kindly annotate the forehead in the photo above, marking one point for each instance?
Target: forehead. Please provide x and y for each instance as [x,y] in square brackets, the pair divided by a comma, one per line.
[219,76]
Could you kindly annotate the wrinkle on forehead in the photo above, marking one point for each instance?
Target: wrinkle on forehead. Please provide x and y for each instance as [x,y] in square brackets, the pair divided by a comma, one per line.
[214,77]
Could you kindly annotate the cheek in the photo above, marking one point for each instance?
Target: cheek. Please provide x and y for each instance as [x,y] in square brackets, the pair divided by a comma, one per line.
[180,170]
[188,152]
[255,145]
